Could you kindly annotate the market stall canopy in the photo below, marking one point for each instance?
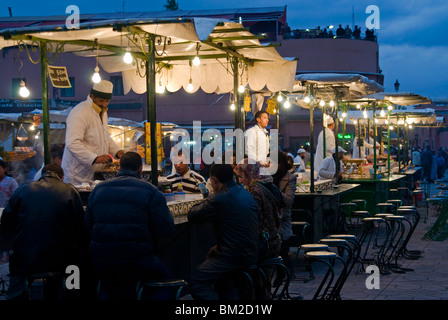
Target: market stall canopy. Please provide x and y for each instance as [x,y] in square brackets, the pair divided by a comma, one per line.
[328,86]
[397,98]
[178,40]
[415,117]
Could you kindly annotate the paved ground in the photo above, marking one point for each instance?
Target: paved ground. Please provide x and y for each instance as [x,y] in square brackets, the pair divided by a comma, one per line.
[427,281]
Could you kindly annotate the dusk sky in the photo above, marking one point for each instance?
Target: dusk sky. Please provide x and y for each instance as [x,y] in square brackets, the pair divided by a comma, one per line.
[413,34]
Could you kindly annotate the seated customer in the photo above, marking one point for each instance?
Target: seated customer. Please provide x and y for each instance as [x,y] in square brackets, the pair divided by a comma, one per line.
[46,219]
[184,179]
[269,201]
[328,166]
[233,214]
[286,182]
[124,216]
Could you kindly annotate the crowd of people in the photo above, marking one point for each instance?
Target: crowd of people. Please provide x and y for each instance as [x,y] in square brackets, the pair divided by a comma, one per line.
[45,226]
[341,33]
[434,163]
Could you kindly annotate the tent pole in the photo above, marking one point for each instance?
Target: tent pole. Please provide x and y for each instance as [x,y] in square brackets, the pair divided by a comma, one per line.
[312,140]
[236,98]
[388,141]
[45,106]
[375,167]
[151,107]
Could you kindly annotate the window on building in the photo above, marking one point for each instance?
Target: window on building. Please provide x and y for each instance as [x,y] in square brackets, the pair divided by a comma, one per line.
[69,92]
[117,81]
[16,87]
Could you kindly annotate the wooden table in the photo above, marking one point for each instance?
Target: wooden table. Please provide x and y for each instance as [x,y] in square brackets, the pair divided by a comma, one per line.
[324,207]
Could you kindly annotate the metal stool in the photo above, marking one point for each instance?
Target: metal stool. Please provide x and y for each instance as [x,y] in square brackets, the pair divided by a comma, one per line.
[389,253]
[368,239]
[176,284]
[310,247]
[326,291]
[413,222]
[52,285]
[404,193]
[361,203]
[275,275]
[384,207]
[356,247]
[396,202]
[348,209]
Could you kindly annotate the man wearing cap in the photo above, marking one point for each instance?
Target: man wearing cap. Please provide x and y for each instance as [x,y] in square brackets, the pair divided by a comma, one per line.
[301,153]
[330,144]
[328,166]
[88,145]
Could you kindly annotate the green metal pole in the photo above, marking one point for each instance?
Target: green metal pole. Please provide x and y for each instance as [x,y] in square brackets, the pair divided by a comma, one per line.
[151,107]
[236,98]
[388,141]
[374,141]
[336,137]
[45,105]
[312,141]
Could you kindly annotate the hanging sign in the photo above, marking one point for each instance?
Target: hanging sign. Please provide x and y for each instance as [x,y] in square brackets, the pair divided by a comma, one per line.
[247,103]
[59,77]
[272,106]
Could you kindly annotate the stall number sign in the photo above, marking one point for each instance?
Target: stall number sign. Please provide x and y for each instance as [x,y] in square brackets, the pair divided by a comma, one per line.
[59,77]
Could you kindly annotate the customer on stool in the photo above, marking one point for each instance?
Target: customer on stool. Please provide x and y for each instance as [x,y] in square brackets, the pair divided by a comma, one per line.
[233,214]
[124,216]
[46,219]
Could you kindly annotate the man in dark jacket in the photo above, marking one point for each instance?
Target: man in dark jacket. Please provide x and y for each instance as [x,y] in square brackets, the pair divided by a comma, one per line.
[45,218]
[124,216]
[233,214]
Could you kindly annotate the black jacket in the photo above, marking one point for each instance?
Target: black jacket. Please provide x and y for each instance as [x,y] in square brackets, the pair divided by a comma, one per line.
[46,219]
[124,216]
[233,213]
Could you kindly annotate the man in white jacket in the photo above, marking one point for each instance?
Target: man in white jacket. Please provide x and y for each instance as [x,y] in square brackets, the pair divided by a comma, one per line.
[330,144]
[328,166]
[257,139]
[88,144]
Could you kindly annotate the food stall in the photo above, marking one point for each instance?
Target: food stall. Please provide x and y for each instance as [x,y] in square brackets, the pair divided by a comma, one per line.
[325,92]
[390,116]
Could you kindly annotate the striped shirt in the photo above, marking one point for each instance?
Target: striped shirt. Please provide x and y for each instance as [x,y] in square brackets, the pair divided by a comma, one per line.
[189,181]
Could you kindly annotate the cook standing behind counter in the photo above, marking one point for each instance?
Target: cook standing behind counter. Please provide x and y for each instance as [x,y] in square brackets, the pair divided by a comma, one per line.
[88,144]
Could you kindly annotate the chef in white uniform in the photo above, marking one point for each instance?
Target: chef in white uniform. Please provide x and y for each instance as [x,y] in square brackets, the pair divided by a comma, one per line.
[88,144]
[328,166]
[257,139]
[330,144]
[301,153]
[366,148]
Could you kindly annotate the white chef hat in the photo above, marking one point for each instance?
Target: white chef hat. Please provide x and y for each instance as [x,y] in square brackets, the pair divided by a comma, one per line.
[103,89]
[340,149]
[330,120]
[300,151]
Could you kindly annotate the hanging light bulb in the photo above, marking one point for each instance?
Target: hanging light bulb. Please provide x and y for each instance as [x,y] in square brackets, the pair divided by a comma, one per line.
[287,104]
[322,103]
[32,127]
[344,114]
[410,126]
[382,113]
[391,127]
[232,106]
[190,86]
[307,99]
[390,108]
[279,97]
[127,57]
[376,120]
[241,88]
[364,113]
[196,61]
[96,75]
[23,91]
[386,122]
[331,103]
[160,88]
[358,106]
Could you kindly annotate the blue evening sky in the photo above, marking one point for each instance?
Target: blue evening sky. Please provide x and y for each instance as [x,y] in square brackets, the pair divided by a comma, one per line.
[413,34]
